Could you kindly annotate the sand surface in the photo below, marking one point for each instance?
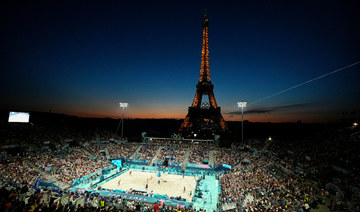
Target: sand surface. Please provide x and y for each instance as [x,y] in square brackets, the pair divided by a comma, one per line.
[174,186]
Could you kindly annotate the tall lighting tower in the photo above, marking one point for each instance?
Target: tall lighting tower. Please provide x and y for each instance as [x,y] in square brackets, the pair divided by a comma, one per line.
[123,105]
[242,104]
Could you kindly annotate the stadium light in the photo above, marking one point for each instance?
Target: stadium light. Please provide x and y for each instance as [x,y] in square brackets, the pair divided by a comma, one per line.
[242,104]
[123,105]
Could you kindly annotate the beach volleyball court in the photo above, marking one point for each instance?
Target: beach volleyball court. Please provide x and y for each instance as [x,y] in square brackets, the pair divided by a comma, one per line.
[171,185]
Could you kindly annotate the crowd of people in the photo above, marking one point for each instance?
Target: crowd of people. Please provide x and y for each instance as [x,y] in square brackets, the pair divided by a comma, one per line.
[97,150]
[328,159]
[23,197]
[18,171]
[227,156]
[122,151]
[69,164]
[199,153]
[147,152]
[174,153]
[270,175]
[257,188]
[299,174]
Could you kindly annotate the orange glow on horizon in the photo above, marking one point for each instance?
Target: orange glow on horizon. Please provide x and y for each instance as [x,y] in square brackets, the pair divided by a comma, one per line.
[274,118]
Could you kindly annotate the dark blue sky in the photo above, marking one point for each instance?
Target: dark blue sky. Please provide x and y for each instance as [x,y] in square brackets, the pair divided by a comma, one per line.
[83,58]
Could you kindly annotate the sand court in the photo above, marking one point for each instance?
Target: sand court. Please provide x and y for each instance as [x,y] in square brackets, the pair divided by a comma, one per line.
[171,185]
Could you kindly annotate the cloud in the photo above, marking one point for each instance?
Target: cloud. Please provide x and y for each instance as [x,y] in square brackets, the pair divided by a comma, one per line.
[253,111]
[271,109]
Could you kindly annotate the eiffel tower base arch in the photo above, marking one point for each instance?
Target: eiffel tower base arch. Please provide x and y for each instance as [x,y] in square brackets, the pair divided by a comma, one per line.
[203,123]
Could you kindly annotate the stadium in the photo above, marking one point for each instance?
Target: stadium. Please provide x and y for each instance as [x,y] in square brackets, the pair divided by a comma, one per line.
[98,112]
[82,168]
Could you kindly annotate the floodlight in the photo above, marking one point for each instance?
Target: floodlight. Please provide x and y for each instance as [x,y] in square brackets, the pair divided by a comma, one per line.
[123,104]
[242,104]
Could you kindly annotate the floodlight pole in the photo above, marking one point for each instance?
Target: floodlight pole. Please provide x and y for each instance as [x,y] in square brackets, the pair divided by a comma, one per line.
[123,106]
[122,123]
[242,105]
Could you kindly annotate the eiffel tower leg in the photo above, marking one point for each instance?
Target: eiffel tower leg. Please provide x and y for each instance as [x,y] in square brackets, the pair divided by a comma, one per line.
[197,99]
[212,99]
[222,124]
[186,122]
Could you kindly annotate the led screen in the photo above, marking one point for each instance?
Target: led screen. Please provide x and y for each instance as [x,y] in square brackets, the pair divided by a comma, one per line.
[19,117]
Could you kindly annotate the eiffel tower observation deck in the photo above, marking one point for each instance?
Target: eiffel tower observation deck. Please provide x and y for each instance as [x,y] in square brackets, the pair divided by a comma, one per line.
[204,119]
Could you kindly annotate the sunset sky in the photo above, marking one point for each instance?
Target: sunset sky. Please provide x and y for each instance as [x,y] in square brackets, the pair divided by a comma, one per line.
[84,58]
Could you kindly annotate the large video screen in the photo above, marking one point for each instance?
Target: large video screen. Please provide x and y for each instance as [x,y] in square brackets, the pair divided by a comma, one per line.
[19,117]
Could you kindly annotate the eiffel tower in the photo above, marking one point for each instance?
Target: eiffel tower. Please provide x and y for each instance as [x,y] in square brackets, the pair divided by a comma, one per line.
[204,119]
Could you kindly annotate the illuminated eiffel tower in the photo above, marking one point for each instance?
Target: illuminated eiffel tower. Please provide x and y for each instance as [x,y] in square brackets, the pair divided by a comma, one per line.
[204,119]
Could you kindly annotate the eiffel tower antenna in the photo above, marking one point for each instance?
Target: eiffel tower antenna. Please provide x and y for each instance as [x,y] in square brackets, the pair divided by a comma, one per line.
[204,118]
